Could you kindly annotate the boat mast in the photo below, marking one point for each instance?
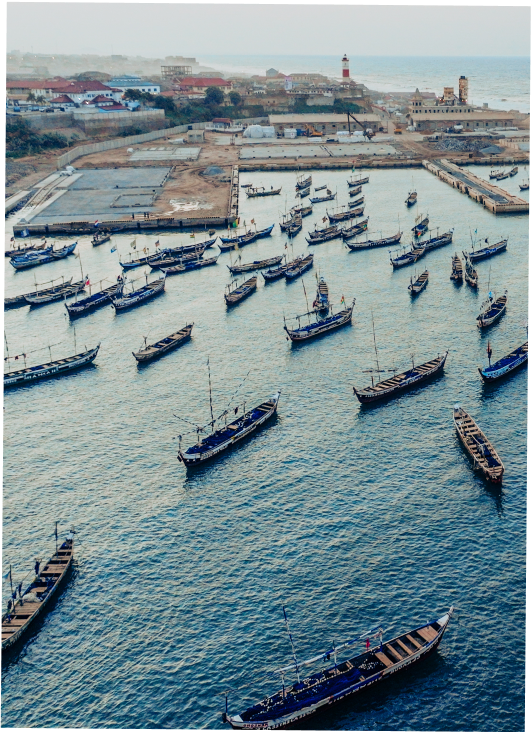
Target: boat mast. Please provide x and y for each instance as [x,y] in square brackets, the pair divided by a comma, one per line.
[292,644]
[55,532]
[375,349]
[210,393]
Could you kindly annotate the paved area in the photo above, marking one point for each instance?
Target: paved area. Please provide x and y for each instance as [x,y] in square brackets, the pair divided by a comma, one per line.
[167,153]
[361,148]
[471,182]
[263,152]
[111,178]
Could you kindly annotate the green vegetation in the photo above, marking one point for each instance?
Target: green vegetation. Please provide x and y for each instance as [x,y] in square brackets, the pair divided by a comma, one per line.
[21,140]
[213,96]
[340,106]
[235,98]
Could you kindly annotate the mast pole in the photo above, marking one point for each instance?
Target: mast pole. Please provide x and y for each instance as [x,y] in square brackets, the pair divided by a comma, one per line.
[210,393]
[56,537]
[292,644]
[374,339]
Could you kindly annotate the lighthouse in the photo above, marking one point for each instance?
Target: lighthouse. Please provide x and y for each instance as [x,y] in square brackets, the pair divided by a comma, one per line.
[346,73]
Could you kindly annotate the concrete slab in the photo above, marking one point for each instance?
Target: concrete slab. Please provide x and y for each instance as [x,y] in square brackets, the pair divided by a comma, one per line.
[112,178]
[263,152]
[89,205]
[180,153]
[361,148]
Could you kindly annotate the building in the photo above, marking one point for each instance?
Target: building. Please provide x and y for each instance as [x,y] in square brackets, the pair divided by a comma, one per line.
[175,72]
[309,79]
[200,84]
[440,117]
[328,124]
[345,76]
[463,89]
[271,73]
[62,101]
[78,91]
[126,82]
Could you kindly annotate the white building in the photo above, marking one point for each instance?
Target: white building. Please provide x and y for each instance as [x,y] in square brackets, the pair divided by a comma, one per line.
[126,82]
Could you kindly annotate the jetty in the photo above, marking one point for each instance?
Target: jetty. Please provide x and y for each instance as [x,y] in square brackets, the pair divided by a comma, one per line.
[492,197]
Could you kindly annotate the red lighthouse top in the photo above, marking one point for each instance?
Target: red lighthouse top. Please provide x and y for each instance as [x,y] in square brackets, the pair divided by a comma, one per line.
[345,69]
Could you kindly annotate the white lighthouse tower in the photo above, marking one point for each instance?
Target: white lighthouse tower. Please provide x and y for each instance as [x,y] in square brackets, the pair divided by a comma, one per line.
[346,73]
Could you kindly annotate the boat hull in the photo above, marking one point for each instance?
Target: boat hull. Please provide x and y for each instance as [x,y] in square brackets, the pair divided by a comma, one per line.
[139,297]
[494,474]
[147,356]
[487,252]
[498,370]
[302,336]
[369,397]
[54,368]
[374,243]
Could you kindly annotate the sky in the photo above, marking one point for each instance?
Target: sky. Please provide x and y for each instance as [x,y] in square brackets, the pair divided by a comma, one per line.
[156,30]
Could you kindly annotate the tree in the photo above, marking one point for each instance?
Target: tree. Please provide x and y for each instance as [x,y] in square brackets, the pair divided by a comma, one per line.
[41,99]
[235,98]
[214,95]
[164,103]
[30,97]
[133,95]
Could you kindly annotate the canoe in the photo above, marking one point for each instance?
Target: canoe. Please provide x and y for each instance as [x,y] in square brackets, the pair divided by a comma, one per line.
[369,244]
[471,275]
[303,192]
[344,215]
[277,272]
[155,350]
[355,191]
[355,204]
[258,192]
[31,249]
[342,679]
[411,199]
[302,210]
[92,302]
[436,241]
[18,300]
[22,612]
[419,284]
[171,260]
[68,289]
[97,240]
[320,235]
[457,269]
[329,197]
[137,297]
[475,256]
[261,233]
[52,368]
[35,259]
[320,326]
[257,264]
[407,258]
[358,182]
[504,365]
[304,183]
[241,241]
[483,455]
[492,310]
[239,293]
[355,230]
[420,228]
[320,188]
[298,268]
[401,382]
[209,447]
[189,266]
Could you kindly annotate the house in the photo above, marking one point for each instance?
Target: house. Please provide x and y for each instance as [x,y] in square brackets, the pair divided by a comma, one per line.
[221,123]
[62,101]
[201,84]
[126,82]
[78,91]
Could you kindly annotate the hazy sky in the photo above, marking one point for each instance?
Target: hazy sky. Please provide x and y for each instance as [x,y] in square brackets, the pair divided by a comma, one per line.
[158,30]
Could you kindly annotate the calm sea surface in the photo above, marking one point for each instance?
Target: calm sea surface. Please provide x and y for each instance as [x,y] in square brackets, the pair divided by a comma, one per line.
[501,82]
[349,516]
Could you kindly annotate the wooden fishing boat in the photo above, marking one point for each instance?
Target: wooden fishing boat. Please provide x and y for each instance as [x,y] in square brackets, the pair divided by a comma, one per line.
[401,382]
[355,204]
[32,602]
[68,289]
[421,228]
[471,275]
[30,249]
[352,213]
[261,233]
[101,239]
[19,300]
[355,230]
[524,186]
[303,192]
[288,220]
[64,251]
[52,368]
[492,310]
[257,264]
[155,350]
[209,447]
[329,197]
[342,680]
[92,302]
[133,263]
[484,456]
[241,241]
[169,260]
[502,176]
[419,284]
[246,185]
[513,171]
[303,183]
[294,229]
[189,266]
[320,235]
[358,182]
[296,269]
[320,188]
[490,251]
[278,272]
[504,365]
[457,269]
[124,301]
[322,300]
[35,259]
[494,173]
[354,191]
[373,243]
[406,258]
[259,192]
[302,210]
[320,326]
[411,199]
[233,296]
[436,241]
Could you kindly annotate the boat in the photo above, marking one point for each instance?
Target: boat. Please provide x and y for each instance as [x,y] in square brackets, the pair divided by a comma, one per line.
[344,215]
[35,259]
[302,210]
[294,229]
[358,182]
[355,204]
[297,268]
[525,185]
[436,241]
[68,289]
[261,233]
[18,300]
[32,602]
[322,300]
[502,176]
[504,365]
[234,295]
[123,301]
[407,258]
[320,325]
[355,230]
[513,171]
[288,220]
[188,266]
[30,249]
[340,680]
[100,239]
[52,368]
[155,350]
[494,173]
[246,185]
[258,192]
[411,199]
[421,227]
[257,264]
[170,260]
[492,310]
[133,263]
[320,235]
[419,284]
[329,197]
[478,446]
[471,275]
[401,382]
[241,241]
[303,183]
[373,243]
[354,191]
[211,446]
[303,192]
[476,255]
[457,269]
[94,301]
[320,188]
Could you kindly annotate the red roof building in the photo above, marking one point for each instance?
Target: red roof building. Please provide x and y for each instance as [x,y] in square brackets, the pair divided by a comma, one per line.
[202,83]
[62,100]
[79,91]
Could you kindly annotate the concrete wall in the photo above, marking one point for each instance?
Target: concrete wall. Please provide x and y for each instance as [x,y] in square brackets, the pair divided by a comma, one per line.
[109,122]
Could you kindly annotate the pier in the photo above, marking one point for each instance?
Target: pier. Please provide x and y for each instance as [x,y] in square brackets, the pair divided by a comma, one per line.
[490,196]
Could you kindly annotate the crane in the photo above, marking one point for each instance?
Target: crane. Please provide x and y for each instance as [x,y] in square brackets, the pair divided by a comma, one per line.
[367,132]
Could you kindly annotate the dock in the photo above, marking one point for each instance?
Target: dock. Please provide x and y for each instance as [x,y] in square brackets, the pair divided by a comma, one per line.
[492,197]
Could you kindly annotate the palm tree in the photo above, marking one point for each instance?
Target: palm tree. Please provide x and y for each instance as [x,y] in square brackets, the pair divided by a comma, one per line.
[30,97]
[40,99]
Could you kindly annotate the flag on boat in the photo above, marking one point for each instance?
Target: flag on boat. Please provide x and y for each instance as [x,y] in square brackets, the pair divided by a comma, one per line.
[87,281]
[286,245]
[252,221]
[25,232]
[8,575]
[133,244]
[12,238]
[96,222]
[489,350]
[343,300]
[192,236]
[113,249]
[157,243]
[324,219]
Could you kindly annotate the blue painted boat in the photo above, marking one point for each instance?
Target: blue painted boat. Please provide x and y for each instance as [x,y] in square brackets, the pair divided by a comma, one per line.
[137,297]
[505,365]
[261,233]
[340,680]
[36,259]
[420,228]
[298,268]
[188,266]
[87,304]
[475,256]
[492,310]
[320,326]
[53,368]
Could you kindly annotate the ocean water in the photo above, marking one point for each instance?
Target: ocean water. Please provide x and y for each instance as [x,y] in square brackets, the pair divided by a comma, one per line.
[348,515]
[503,83]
